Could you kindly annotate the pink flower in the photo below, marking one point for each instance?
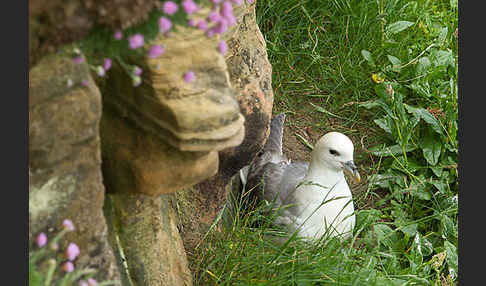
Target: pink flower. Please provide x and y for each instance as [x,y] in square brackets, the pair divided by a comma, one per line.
[250,1]
[136,80]
[222,47]
[68,266]
[118,35]
[189,6]
[107,64]
[78,59]
[85,82]
[191,23]
[155,51]
[210,33]
[164,24]
[136,41]
[216,1]
[92,282]
[221,26]
[68,224]
[231,20]
[72,251]
[214,16]
[137,70]
[169,7]
[202,25]
[82,283]
[189,76]
[226,9]
[41,239]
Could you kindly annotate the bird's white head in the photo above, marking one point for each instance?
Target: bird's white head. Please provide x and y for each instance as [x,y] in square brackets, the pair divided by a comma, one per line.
[335,150]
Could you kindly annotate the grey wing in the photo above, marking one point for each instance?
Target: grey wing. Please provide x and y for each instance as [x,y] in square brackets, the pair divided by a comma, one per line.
[294,174]
[278,180]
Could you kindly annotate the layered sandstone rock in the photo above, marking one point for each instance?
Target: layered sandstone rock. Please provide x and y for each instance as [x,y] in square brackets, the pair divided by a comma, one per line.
[65,160]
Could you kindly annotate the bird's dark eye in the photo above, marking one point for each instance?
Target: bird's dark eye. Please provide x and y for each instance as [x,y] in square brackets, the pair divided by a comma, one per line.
[334,152]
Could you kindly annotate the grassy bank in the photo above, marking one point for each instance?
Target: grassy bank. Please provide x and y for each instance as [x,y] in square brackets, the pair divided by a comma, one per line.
[385,73]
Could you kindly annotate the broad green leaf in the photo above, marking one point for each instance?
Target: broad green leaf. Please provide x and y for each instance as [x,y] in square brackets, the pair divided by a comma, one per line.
[385,235]
[448,230]
[367,56]
[451,258]
[384,124]
[437,170]
[397,27]
[383,180]
[443,35]
[396,63]
[442,58]
[431,148]
[385,151]
[426,116]
[440,185]
[427,247]
[419,190]
[416,256]
[423,65]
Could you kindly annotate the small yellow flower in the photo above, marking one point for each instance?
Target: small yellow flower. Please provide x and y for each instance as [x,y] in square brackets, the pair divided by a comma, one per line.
[377,78]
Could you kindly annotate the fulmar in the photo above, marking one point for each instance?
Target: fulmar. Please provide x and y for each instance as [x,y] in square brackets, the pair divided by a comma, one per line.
[315,197]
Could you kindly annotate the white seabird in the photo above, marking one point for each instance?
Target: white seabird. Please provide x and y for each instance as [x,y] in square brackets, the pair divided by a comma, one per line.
[319,197]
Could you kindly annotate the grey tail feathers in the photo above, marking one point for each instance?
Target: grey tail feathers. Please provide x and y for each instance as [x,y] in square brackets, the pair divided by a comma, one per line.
[274,141]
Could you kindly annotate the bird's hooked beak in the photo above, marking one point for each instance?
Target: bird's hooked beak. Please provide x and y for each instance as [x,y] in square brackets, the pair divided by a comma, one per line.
[350,167]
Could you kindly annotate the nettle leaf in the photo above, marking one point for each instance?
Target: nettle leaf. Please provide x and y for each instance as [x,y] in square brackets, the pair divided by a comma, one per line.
[386,151]
[437,170]
[396,63]
[422,88]
[419,190]
[397,27]
[367,56]
[443,35]
[440,185]
[451,258]
[383,180]
[424,114]
[431,148]
[448,230]
[442,58]
[423,65]
[385,235]
[416,256]
[385,124]
[427,246]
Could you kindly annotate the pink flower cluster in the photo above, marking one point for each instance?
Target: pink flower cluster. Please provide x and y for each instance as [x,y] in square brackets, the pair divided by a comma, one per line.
[217,22]
[71,252]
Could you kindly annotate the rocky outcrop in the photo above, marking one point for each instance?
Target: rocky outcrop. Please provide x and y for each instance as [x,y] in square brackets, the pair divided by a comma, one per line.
[161,137]
[149,248]
[250,75]
[164,135]
[65,160]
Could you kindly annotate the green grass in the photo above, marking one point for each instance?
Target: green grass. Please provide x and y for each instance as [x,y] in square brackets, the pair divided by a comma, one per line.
[325,55]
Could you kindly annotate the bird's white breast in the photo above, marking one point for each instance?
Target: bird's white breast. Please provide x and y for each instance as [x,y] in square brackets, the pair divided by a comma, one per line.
[325,210]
